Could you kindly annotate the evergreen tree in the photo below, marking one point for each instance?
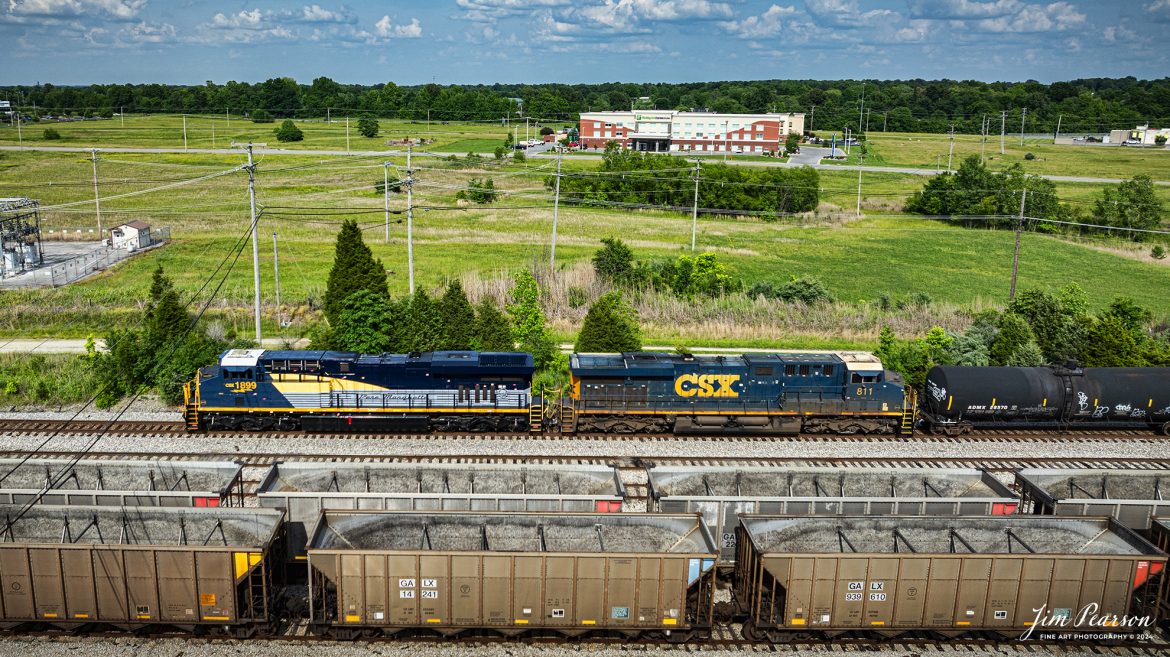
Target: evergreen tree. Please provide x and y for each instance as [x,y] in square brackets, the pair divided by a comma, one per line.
[365,324]
[458,318]
[528,320]
[610,326]
[354,268]
[288,131]
[368,126]
[1014,333]
[1109,343]
[493,332]
[424,325]
[614,261]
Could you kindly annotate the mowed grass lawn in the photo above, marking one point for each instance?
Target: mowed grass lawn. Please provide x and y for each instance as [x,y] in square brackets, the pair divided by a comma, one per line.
[302,198]
[1092,161]
[219,131]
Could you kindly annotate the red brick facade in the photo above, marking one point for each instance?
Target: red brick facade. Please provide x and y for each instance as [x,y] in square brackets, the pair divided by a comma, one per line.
[682,132]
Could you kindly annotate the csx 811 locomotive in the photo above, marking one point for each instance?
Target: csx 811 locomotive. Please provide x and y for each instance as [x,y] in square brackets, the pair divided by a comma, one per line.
[774,393]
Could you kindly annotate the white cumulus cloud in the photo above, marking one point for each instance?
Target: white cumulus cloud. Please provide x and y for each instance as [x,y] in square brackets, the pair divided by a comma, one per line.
[387,30]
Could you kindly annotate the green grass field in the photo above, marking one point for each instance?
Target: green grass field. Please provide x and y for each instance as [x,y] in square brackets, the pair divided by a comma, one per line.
[305,197]
[166,131]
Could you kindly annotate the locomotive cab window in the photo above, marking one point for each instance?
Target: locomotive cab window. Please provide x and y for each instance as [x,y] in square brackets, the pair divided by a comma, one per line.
[859,378]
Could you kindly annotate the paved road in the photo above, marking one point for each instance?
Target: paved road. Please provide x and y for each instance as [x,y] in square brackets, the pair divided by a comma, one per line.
[534,155]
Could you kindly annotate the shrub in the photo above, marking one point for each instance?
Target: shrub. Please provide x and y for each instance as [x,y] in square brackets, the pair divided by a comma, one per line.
[520,157]
[610,326]
[262,116]
[805,290]
[546,131]
[499,152]
[1160,140]
[394,184]
[479,191]
[1029,156]
[1158,252]
[368,126]
[51,133]
[921,299]
[288,131]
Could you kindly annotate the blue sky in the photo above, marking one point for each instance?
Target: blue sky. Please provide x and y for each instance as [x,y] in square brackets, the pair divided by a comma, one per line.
[485,41]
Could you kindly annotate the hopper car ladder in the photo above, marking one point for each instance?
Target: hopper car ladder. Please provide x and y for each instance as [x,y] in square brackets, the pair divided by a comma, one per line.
[909,407]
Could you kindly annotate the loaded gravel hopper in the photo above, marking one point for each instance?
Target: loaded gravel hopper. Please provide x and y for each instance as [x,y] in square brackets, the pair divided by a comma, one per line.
[377,572]
[1133,497]
[121,483]
[722,494]
[950,576]
[307,489]
[78,567]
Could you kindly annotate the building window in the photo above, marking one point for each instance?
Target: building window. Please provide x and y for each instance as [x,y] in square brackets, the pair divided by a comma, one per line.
[596,125]
[759,135]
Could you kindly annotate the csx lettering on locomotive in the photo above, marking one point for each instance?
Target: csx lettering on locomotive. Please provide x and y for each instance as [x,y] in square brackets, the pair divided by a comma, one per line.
[706,385]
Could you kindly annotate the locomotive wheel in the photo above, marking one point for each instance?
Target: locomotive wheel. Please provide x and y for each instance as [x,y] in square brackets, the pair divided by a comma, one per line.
[1166,429]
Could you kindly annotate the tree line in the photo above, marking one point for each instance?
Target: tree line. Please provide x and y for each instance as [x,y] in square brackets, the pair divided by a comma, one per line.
[641,179]
[1081,105]
[977,196]
[1037,328]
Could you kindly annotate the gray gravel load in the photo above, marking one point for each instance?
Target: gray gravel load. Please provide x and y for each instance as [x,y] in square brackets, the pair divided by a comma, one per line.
[939,535]
[600,533]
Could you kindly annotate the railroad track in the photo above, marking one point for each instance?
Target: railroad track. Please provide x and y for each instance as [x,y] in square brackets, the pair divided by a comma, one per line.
[266,459]
[724,638]
[158,427]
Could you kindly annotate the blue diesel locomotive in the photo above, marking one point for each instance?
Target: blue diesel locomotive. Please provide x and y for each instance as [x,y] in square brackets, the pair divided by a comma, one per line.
[766,393]
[329,391]
[337,391]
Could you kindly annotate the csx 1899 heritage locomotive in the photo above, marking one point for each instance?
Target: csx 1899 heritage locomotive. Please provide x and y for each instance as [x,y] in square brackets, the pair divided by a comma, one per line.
[619,393]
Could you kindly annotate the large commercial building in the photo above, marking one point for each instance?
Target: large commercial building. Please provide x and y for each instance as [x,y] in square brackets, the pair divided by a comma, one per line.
[671,131]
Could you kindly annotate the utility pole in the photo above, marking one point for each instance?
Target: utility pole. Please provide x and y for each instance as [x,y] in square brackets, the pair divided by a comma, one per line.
[184,132]
[251,167]
[409,220]
[97,202]
[983,137]
[859,169]
[213,134]
[1016,257]
[1056,136]
[227,116]
[327,115]
[276,274]
[526,137]
[386,196]
[861,116]
[552,257]
[951,153]
[695,210]
[811,117]
[885,115]
[122,115]
[1002,128]
[868,112]
[1023,117]
[19,138]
